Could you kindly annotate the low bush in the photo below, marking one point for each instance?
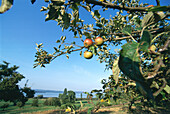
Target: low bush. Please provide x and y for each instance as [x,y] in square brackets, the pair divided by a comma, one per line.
[40,96]
[52,102]
[20,104]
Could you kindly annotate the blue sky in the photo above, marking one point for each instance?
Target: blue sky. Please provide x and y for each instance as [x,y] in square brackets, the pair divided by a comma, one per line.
[23,26]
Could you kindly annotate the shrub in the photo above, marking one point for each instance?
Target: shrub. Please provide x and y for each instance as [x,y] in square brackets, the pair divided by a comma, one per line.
[20,104]
[67,97]
[5,106]
[52,102]
[35,102]
[40,96]
[45,102]
[71,96]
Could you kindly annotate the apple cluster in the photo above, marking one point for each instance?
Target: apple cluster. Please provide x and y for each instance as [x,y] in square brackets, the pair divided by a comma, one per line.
[88,42]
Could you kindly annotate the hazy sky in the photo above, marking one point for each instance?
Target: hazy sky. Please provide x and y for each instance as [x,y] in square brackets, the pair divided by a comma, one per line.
[23,26]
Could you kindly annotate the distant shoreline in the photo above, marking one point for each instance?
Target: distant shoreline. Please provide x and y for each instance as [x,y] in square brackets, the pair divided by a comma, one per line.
[53,93]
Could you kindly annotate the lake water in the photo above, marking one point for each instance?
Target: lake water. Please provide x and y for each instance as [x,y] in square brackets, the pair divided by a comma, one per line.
[56,94]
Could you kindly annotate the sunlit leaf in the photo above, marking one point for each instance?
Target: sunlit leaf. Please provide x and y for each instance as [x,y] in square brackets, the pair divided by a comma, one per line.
[152,17]
[93,49]
[167,89]
[132,84]
[116,70]
[58,2]
[67,56]
[52,14]
[127,30]
[5,5]
[155,85]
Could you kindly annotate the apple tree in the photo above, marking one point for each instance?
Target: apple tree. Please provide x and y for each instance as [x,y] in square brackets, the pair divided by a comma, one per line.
[142,31]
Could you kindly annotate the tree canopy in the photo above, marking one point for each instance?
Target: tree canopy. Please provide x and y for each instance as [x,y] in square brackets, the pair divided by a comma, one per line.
[9,88]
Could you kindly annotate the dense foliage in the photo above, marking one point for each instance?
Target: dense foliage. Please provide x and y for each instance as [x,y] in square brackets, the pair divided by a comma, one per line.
[67,97]
[52,101]
[9,88]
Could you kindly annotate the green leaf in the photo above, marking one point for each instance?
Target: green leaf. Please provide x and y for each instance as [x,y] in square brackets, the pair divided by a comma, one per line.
[74,7]
[97,14]
[87,34]
[127,30]
[66,20]
[167,89]
[131,84]
[99,24]
[76,15]
[152,17]
[5,5]
[154,84]
[147,18]
[87,8]
[116,70]
[58,41]
[52,14]
[93,49]
[129,64]
[158,8]
[145,41]
[129,61]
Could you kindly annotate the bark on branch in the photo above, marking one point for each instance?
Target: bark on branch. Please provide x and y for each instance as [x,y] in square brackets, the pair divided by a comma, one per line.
[161,88]
[113,6]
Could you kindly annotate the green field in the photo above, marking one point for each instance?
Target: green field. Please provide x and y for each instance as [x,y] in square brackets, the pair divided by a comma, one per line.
[28,108]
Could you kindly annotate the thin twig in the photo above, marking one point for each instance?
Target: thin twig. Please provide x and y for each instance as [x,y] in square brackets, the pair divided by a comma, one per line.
[66,52]
[156,69]
[165,46]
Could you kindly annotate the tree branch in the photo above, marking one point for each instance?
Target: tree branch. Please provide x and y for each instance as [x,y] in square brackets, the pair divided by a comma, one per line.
[156,69]
[165,46]
[161,88]
[113,6]
[66,53]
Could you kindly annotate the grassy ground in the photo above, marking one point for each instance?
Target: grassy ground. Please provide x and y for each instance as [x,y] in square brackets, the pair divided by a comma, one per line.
[30,109]
[120,107]
[27,108]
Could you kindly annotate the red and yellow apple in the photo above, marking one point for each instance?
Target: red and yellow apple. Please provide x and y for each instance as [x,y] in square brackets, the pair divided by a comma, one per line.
[88,55]
[88,42]
[99,41]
